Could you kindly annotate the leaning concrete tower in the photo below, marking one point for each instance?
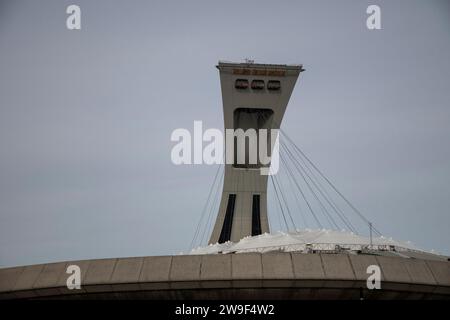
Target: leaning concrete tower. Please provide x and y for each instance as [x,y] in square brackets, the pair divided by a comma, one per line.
[254,96]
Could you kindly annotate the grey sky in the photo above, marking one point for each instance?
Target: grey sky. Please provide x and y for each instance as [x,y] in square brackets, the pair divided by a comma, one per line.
[86,116]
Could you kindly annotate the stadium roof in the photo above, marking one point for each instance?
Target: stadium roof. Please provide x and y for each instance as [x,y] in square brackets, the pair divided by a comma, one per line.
[319,240]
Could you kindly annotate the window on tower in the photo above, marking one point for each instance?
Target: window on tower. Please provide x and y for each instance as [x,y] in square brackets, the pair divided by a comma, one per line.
[246,145]
[258,84]
[241,84]
[273,85]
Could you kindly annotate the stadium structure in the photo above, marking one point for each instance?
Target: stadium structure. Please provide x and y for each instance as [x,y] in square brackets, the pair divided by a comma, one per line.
[320,254]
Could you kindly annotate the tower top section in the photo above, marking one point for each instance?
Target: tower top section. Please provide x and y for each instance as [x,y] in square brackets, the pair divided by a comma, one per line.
[260,69]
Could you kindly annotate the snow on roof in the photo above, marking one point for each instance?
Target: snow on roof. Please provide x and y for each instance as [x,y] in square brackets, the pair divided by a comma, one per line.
[306,240]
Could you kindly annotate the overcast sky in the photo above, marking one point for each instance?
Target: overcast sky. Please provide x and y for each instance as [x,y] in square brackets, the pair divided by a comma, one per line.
[86,116]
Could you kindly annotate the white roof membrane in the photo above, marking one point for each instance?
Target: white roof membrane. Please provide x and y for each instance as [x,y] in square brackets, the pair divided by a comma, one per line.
[307,240]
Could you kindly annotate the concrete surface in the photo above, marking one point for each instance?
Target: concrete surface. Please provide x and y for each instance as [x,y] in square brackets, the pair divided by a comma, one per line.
[232,276]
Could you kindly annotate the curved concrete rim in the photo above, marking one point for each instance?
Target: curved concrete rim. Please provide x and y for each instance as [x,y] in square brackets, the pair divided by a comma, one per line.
[232,276]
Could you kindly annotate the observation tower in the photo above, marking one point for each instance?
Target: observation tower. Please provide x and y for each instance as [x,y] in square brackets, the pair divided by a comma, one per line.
[255,96]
